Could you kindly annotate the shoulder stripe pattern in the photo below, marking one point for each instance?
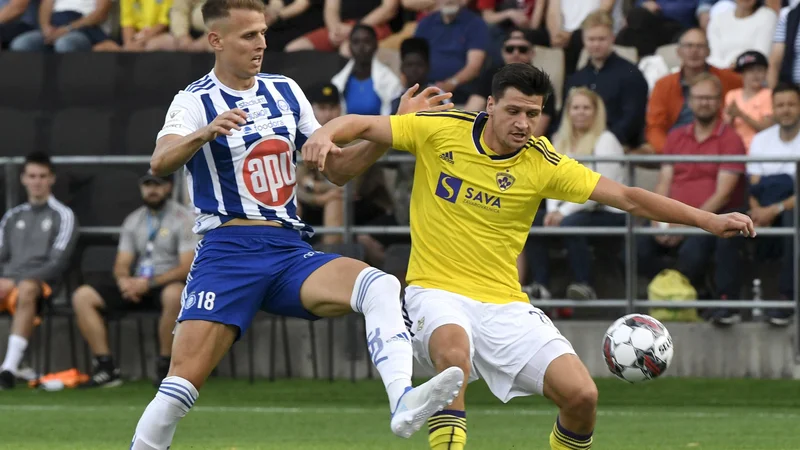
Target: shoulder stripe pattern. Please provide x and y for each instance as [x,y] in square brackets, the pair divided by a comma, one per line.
[67,223]
[461,115]
[549,156]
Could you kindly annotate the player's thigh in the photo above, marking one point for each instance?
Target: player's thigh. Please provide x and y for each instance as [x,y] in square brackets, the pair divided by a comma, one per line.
[228,280]
[511,338]
[326,292]
[197,348]
[441,327]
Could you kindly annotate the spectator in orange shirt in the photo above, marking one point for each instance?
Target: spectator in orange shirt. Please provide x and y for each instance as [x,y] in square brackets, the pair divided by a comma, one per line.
[668,107]
[749,109]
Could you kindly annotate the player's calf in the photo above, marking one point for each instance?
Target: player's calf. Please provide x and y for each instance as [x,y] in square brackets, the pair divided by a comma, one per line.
[197,349]
[449,346]
[568,384]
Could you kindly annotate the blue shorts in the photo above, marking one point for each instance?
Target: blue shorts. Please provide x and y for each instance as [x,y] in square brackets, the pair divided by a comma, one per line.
[240,269]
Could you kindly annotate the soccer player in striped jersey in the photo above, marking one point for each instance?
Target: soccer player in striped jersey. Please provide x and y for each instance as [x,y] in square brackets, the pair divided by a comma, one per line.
[235,131]
[478,181]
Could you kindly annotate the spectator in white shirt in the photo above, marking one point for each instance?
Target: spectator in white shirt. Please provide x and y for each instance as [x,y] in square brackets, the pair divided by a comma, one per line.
[749,26]
[582,132]
[772,196]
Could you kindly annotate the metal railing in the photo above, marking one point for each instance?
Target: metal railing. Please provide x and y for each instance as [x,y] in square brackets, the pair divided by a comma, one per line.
[629,231]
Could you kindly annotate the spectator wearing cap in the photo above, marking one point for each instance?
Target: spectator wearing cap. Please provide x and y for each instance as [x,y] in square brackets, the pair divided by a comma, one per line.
[340,17]
[749,108]
[367,85]
[772,196]
[517,48]
[458,40]
[749,26]
[66,26]
[17,17]
[155,252]
[414,66]
[784,58]
[618,82]
[668,107]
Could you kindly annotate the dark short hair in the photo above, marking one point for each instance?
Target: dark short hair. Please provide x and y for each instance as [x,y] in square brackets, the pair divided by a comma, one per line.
[38,158]
[220,9]
[362,27]
[784,86]
[523,77]
[414,45]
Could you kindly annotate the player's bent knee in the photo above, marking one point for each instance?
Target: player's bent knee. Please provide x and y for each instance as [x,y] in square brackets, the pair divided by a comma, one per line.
[451,356]
[568,384]
[171,296]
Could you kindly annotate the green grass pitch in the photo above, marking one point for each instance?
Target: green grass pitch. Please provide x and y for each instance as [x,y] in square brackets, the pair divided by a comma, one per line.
[319,415]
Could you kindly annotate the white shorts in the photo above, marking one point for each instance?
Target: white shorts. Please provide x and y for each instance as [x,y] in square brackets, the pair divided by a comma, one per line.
[503,339]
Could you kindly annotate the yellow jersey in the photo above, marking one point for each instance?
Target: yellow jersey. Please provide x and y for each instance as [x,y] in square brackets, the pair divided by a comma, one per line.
[472,209]
[141,14]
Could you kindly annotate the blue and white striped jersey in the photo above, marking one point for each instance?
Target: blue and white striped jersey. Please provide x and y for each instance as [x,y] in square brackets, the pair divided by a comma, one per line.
[251,174]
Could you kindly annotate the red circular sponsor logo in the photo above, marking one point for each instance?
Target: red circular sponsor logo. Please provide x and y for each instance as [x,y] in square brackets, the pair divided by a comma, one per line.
[268,172]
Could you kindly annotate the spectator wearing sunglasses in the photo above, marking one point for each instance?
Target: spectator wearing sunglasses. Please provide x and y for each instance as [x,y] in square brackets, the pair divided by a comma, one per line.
[517,48]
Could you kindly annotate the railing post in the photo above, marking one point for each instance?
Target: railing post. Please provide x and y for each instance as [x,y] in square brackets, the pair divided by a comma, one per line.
[796,263]
[11,185]
[347,213]
[630,249]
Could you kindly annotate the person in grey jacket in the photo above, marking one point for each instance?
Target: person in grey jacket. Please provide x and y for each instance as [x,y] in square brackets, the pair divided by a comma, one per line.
[37,239]
[155,252]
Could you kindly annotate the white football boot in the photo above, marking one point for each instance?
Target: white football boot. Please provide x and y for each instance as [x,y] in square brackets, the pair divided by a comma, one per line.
[417,404]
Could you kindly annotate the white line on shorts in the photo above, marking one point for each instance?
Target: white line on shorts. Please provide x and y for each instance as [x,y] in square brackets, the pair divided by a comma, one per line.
[327,410]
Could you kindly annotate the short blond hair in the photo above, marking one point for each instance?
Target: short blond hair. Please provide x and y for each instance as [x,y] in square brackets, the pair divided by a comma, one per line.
[598,18]
[220,9]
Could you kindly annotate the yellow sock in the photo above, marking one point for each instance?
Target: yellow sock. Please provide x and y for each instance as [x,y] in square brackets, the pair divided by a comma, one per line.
[563,439]
[447,430]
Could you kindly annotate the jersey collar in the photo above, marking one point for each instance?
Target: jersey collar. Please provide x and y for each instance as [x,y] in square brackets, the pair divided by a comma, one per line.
[477,138]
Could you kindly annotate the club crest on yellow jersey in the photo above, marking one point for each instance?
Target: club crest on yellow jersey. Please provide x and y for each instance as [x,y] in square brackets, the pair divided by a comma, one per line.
[504,180]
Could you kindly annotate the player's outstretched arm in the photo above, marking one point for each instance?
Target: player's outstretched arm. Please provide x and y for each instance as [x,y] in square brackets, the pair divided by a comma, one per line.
[643,203]
[173,150]
[341,165]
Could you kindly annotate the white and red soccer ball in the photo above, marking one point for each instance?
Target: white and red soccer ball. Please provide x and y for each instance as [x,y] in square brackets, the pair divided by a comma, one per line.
[637,348]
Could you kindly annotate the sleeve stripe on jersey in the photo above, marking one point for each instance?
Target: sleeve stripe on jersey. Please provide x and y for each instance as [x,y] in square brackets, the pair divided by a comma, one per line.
[67,224]
[549,156]
[452,116]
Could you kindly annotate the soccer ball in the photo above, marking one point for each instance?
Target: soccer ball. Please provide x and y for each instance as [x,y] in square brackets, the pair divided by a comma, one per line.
[637,348]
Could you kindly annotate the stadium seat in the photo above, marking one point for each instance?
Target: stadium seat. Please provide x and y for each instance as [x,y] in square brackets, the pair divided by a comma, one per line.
[86,79]
[108,196]
[79,131]
[22,87]
[391,58]
[551,60]
[307,68]
[142,129]
[20,129]
[153,79]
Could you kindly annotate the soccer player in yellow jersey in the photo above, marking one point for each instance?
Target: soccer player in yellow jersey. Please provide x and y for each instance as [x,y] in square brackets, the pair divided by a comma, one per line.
[478,182]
